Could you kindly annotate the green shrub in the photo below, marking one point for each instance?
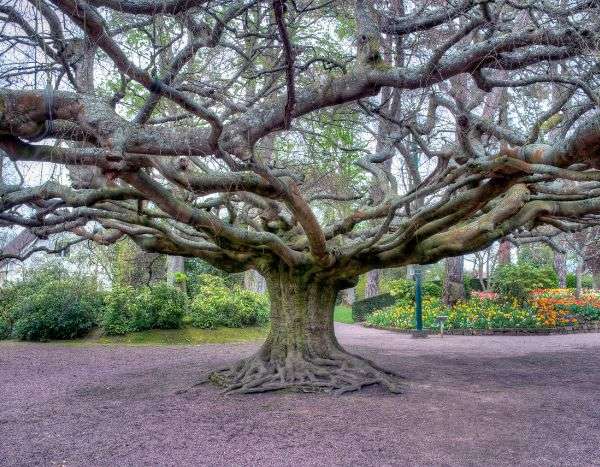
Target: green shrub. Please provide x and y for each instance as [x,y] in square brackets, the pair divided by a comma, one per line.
[5,328]
[218,305]
[363,308]
[403,290]
[196,268]
[586,281]
[165,305]
[360,286]
[120,311]
[516,281]
[59,310]
[10,297]
[160,306]
[250,309]
[586,312]
[49,303]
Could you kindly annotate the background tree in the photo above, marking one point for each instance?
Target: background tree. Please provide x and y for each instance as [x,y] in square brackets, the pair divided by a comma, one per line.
[171,139]
[560,266]
[454,284]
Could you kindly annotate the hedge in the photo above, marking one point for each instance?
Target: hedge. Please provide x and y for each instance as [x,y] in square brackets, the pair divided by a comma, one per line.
[362,308]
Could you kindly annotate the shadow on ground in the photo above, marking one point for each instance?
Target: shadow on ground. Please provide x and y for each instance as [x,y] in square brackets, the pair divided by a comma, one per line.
[468,400]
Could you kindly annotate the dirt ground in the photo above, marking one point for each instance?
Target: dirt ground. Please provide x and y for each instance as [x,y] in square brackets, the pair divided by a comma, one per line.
[531,400]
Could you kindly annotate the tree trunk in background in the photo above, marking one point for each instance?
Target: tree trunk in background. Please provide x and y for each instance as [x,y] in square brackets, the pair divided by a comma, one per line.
[142,268]
[560,266]
[175,266]
[147,268]
[596,279]
[301,351]
[504,252]
[372,284]
[348,296]
[254,281]
[578,277]
[454,285]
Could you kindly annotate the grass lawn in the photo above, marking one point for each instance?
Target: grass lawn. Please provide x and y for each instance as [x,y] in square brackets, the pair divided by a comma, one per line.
[184,336]
[343,314]
[187,336]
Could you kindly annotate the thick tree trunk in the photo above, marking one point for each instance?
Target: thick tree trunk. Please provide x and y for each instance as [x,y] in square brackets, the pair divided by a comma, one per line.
[301,351]
[454,285]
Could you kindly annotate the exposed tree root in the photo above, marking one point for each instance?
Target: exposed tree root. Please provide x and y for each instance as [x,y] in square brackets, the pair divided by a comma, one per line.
[339,374]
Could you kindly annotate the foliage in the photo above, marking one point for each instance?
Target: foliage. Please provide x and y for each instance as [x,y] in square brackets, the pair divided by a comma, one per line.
[166,304]
[360,287]
[218,305]
[560,307]
[120,311]
[388,276]
[586,281]
[50,303]
[127,309]
[386,279]
[363,308]
[544,308]
[489,314]
[403,290]
[585,311]
[516,281]
[195,268]
[5,328]
[538,255]
[402,316]
[473,314]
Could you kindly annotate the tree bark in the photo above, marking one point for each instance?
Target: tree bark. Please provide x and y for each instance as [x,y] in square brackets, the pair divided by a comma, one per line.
[254,281]
[454,285]
[596,279]
[372,285]
[504,252]
[578,278]
[560,266]
[175,265]
[348,296]
[301,351]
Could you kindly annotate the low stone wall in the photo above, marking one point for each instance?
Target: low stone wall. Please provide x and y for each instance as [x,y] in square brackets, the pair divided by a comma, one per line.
[580,328]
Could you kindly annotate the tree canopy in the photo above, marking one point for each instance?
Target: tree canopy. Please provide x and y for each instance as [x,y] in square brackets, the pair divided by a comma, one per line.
[320,138]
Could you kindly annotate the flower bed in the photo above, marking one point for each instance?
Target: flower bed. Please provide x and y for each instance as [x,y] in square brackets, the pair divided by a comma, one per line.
[559,307]
[473,314]
[546,309]
[484,295]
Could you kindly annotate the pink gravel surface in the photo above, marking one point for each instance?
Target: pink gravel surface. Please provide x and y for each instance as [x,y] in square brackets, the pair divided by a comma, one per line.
[490,400]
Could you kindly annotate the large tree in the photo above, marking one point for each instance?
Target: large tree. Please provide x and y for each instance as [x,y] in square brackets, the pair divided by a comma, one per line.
[226,130]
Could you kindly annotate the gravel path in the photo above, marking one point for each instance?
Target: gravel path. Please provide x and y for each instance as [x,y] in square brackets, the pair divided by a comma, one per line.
[469,401]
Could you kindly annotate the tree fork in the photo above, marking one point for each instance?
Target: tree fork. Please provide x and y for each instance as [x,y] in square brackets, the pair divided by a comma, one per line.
[301,352]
